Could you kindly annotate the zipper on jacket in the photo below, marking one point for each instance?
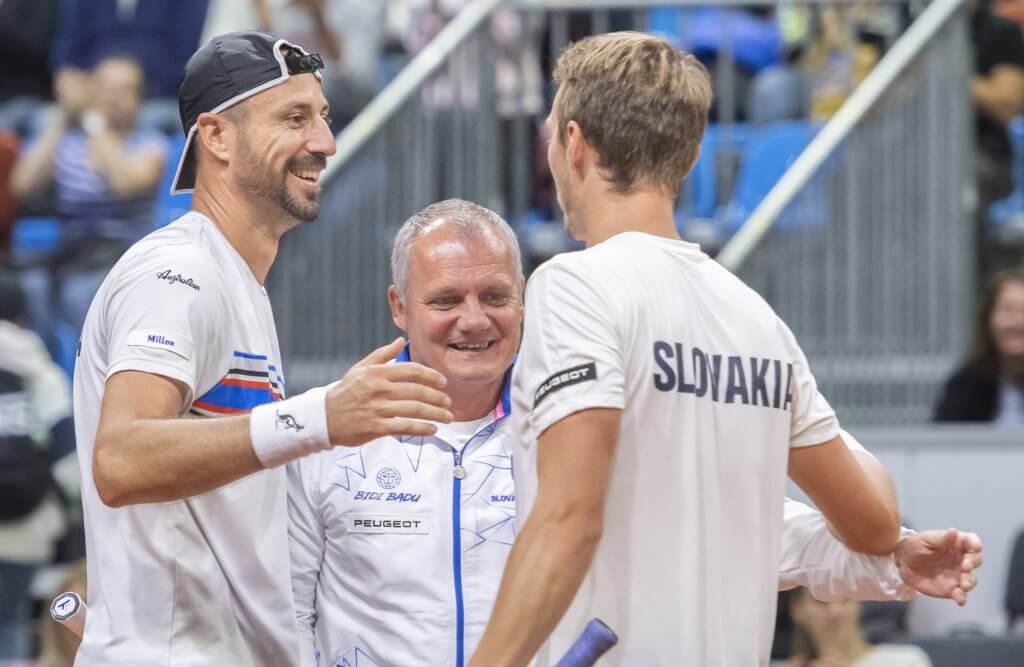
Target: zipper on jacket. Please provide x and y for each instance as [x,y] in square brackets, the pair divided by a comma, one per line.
[460,619]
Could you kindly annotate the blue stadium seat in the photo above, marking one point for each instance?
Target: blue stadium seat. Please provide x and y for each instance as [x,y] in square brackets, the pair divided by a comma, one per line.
[769,152]
[701,190]
[171,207]
[32,237]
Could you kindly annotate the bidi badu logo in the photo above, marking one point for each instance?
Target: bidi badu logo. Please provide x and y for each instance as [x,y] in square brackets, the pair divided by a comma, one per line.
[388,478]
[177,278]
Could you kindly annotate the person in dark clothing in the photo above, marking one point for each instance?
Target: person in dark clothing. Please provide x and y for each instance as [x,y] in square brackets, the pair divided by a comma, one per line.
[39,480]
[27,29]
[997,93]
[997,88]
[159,35]
[989,387]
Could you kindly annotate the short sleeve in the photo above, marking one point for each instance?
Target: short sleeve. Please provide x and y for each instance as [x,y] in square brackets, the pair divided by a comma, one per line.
[570,358]
[812,421]
[163,316]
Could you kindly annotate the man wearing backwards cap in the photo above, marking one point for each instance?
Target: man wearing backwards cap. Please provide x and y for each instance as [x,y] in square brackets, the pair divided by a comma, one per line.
[179,395]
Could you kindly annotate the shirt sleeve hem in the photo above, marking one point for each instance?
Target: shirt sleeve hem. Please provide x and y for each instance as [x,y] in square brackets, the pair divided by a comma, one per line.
[815,436]
[562,410]
[156,368]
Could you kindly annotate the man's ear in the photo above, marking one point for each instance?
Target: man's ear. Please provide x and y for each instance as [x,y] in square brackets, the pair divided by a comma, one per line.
[215,134]
[397,308]
[575,146]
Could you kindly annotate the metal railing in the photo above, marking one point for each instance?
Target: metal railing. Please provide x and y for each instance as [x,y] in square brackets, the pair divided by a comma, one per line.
[877,277]
[428,136]
[865,245]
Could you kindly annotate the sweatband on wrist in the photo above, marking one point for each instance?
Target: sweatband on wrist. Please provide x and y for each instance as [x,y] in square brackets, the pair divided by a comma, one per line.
[283,431]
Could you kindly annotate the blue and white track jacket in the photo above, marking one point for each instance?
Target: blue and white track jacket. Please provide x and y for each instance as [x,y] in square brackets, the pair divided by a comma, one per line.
[395,559]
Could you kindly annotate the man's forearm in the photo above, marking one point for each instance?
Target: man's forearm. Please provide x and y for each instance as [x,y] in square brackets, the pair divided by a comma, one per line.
[128,175]
[158,460]
[814,558]
[35,169]
[545,569]
[878,476]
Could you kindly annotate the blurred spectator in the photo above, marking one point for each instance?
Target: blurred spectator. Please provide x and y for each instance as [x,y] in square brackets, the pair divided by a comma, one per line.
[104,171]
[1011,9]
[348,35]
[27,29]
[160,36]
[997,91]
[989,387]
[837,59]
[828,634]
[36,448]
[827,52]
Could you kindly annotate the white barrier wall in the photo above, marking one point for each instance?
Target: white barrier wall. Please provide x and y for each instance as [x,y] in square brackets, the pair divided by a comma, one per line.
[968,477]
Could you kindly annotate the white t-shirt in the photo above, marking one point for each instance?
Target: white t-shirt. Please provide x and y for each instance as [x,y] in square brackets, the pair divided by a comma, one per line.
[205,580]
[714,391]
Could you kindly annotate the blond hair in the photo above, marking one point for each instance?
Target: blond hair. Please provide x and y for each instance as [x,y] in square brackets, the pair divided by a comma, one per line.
[641,103]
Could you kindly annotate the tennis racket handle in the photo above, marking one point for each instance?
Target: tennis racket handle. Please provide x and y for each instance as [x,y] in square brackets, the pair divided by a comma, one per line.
[596,639]
[68,609]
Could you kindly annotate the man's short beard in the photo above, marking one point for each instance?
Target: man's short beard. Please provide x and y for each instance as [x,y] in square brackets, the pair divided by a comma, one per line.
[259,181]
[306,211]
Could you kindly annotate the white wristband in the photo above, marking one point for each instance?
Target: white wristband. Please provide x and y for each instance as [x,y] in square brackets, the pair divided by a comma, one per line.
[286,430]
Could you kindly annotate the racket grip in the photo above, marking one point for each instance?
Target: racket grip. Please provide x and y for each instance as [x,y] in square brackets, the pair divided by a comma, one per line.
[68,609]
[595,640]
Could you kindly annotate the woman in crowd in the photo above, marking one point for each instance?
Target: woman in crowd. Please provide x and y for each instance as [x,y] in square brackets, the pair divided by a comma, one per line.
[989,387]
[828,634]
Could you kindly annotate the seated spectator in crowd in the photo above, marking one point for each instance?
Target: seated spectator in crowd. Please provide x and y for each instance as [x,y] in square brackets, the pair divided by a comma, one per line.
[989,387]
[1011,9]
[104,172]
[27,29]
[828,634]
[160,36]
[37,447]
[836,60]
[997,92]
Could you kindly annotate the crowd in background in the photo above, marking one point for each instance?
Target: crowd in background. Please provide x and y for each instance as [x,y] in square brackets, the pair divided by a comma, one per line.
[87,109]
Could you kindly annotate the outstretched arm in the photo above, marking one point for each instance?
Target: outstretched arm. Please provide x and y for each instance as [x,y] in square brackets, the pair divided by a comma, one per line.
[936,563]
[861,510]
[144,453]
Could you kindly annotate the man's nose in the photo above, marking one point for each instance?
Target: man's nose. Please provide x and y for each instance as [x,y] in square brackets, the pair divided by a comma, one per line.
[321,140]
[473,316]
